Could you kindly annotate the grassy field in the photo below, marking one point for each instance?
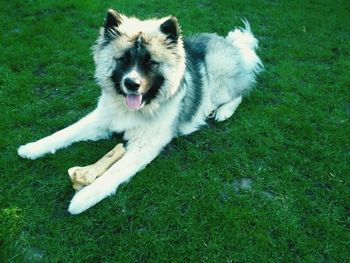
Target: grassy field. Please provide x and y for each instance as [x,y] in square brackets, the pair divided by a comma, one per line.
[271,184]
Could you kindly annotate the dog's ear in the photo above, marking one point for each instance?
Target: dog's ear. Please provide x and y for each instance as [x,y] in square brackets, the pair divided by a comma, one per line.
[171,28]
[113,20]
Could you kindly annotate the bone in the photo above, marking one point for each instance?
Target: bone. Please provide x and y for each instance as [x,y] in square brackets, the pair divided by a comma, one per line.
[83,176]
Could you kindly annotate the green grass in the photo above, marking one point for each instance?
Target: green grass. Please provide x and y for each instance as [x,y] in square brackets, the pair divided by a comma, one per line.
[288,142]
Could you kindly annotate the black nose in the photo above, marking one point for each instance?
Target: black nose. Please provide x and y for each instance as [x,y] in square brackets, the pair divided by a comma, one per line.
[131,84]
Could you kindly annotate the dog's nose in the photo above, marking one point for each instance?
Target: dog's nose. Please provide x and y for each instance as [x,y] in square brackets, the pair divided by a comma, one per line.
[131,84]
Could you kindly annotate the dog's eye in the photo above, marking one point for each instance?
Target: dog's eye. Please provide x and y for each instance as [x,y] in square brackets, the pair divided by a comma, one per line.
[151,62]
[123,59]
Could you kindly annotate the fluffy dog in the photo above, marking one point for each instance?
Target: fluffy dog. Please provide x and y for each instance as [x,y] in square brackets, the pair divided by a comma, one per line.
[155,86]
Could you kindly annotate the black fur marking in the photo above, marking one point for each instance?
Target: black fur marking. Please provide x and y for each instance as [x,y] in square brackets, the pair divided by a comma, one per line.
[117,77]
[113,20]
[108,37]
[171,29]
[195,49]
[158,81]
[139,43]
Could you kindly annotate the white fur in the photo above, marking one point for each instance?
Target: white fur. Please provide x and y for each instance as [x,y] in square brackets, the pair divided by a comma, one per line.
[134,75]
[226,110]
[247,43]
[149,131]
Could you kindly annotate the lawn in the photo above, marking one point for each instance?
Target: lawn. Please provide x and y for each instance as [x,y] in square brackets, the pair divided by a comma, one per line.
[271,184]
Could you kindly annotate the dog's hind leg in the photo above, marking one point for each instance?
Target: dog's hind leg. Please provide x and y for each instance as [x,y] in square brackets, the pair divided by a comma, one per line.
[226,110]
[91,127]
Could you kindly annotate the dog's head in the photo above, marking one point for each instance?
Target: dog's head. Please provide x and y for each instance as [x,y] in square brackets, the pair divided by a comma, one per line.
[142,61]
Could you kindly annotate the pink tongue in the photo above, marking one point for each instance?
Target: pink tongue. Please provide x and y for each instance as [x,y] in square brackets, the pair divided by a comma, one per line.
[133,101]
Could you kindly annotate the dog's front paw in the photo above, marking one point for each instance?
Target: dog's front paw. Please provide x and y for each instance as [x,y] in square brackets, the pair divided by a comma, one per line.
[32,150]
[83,200]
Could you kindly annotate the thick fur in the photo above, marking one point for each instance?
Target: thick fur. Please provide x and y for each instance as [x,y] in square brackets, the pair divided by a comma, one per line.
[155,86]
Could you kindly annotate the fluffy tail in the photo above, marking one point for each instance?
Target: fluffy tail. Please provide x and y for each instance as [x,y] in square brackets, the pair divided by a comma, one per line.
[243,39]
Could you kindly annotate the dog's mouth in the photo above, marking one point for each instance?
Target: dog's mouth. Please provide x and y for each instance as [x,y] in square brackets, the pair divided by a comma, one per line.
[133,101]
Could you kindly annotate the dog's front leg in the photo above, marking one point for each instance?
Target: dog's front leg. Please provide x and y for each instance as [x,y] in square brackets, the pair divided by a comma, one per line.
[91,127]
[139,153]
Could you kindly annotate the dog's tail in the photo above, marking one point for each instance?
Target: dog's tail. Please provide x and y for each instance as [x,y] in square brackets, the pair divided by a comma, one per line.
[243,39]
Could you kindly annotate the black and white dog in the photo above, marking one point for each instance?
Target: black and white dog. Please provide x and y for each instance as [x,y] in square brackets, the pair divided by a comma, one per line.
[155,86]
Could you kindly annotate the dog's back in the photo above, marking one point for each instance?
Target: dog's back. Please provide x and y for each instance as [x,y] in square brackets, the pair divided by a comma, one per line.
[218,72]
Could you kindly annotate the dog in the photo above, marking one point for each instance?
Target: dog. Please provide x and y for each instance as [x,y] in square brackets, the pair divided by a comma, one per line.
[156,85]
